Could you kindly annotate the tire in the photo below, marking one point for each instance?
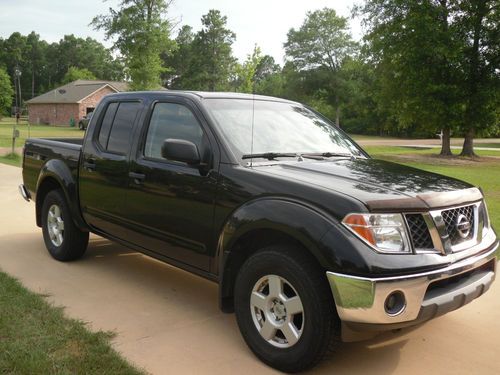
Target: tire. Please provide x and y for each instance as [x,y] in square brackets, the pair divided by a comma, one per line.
[315,329]
[64,241]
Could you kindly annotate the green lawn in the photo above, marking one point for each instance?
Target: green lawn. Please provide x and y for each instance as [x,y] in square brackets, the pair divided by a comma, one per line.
[33,131]
[36,338]
[395,150]
[362,137]
[11,159]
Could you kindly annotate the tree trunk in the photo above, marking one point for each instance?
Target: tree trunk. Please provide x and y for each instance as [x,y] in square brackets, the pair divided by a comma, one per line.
[337,112]
[474,75]
[445,132]
[32,82]
[468,147]
[445,143]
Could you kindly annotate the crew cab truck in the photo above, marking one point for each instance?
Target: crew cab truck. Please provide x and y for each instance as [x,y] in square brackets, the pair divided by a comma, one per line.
[310,240]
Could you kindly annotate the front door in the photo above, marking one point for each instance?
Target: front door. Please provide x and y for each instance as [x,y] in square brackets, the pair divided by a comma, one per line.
[170,205]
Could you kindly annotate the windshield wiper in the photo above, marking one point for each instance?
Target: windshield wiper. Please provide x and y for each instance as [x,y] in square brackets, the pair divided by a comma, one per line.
[327,154]
[271,155]
[309,155]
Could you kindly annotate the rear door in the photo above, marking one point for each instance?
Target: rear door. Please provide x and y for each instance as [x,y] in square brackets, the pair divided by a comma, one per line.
[170,205]
[104,166]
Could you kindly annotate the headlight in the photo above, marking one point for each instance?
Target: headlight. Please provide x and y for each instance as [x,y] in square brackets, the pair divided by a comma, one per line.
[386,233]
[483,211]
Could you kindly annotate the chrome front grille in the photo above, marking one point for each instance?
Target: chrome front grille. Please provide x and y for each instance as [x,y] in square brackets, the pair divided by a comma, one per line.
[446,231]
[451,220]
[419,231]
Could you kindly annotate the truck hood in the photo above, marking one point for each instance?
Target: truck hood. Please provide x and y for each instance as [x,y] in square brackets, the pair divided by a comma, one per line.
[380,185]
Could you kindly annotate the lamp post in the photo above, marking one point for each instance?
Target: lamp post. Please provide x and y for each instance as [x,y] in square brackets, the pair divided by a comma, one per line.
[17,85]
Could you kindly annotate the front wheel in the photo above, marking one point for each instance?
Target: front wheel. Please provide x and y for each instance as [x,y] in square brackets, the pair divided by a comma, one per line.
[285,309]
[63,239]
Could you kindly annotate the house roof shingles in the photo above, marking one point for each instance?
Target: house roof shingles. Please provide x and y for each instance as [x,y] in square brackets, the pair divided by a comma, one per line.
[75,92]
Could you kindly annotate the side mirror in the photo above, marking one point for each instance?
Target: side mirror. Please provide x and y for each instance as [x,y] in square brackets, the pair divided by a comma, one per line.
[180,150]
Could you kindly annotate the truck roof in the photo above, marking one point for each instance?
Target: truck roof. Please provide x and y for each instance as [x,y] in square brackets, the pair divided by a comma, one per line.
[200,95]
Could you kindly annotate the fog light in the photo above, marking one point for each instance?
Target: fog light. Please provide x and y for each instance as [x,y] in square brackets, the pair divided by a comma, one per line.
[395,303]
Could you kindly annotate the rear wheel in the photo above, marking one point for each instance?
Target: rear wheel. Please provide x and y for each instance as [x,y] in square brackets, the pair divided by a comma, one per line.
[285,309]
[63,239]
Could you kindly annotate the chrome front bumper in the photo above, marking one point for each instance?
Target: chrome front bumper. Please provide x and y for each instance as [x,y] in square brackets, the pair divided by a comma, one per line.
[362,300]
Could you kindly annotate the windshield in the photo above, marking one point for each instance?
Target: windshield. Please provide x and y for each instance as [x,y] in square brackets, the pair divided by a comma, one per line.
[278,127]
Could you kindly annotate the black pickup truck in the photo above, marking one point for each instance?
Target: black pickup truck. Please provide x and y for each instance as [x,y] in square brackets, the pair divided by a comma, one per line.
[310,240]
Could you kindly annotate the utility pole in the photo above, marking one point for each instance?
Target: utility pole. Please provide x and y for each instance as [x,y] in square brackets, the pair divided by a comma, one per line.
[17,86]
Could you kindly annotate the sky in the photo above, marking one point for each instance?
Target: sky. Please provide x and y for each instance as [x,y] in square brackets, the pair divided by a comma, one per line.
[261,22]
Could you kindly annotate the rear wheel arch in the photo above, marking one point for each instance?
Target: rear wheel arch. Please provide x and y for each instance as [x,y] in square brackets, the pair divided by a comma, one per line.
[56,175]
[45,187]
[63,240]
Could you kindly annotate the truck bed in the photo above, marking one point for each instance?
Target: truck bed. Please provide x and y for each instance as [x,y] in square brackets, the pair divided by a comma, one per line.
[38,150]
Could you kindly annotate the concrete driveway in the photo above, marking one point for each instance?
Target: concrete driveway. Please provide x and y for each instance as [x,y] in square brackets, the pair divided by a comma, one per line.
[167,321]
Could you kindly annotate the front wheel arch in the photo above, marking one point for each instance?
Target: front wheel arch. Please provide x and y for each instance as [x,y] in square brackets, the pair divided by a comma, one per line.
[247,245]
[268,221]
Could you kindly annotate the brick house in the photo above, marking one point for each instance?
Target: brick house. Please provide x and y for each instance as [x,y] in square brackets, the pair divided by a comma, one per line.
[71,101]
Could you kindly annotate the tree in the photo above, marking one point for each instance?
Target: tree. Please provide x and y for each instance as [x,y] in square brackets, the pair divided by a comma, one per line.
[437,63]
[266,68]
[361,110]
[477,23]
[34,59]
[322,44]
[268,77]
[245,81]
[415,54]
[44,65]
[141,31]
[83,53]
[180,59]
[6,92]
[212,61]
[74,74]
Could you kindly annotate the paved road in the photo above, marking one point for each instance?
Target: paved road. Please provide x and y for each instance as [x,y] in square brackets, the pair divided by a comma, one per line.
[168,322]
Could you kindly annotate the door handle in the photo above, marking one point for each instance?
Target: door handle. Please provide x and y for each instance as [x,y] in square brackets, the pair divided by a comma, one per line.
[89,165]
[138,177]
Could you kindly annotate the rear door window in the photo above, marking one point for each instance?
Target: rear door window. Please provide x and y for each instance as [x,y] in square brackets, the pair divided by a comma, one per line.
[107,121]
[117,126]
[119,138]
